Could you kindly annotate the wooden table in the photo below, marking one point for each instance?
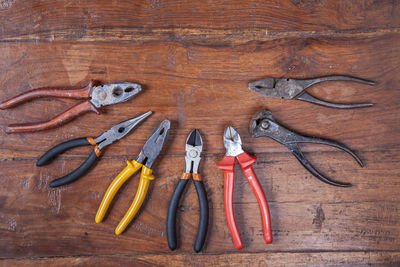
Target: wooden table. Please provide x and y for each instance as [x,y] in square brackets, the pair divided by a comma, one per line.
[195,59]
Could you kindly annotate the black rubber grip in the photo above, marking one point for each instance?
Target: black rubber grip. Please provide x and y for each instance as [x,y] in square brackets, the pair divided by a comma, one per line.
[81,170]
[171,216]
[203,223]
[61,148]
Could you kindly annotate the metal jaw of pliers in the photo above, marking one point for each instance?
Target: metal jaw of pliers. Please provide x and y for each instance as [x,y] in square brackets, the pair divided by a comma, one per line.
[96,96]
[263,124]
[194,146]
[115,133]
[295,89]
[233,145]
[145,161]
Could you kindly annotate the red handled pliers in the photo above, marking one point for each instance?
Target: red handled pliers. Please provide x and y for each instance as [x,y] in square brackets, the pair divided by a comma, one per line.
[233,145]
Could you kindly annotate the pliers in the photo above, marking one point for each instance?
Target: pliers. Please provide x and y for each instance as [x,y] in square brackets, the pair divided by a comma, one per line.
[96,96]
[145,160]
[263,124]
[115,133]
[194,146]
[233,145]
[295,89]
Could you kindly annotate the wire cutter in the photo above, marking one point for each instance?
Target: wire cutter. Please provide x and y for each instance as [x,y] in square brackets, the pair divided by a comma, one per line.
[115,133]
[295,89]
[263,124]
[194,146]
[145,160]
[233,145]
[96,96]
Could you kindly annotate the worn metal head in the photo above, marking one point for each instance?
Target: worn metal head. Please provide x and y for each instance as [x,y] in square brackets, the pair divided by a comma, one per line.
[154,144]
[277,88]
[113,93]
[120,130]
[263,124]
[232,142]
[194,146]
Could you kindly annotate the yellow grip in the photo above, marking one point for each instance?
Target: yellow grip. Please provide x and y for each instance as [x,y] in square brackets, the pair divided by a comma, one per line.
[145,178]
[114,187]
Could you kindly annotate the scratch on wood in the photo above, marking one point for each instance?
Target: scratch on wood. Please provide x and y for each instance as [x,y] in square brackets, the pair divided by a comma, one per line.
[6,3]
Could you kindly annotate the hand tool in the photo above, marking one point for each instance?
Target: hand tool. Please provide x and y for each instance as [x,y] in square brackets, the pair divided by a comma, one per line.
[263,124]
[145,159]
[295,89]
[97,96]
[115,133]
[194,146]
[233,145]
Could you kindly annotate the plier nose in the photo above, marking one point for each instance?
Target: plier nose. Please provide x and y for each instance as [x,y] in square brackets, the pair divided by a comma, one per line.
[194,147]
[232,142]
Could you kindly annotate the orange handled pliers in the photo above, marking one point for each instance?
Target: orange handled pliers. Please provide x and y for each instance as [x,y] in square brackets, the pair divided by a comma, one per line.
[233,145]
[145,160]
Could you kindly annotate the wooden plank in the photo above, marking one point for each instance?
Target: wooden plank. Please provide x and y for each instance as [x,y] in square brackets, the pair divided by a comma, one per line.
[191,20]
[307,215]
[205,87]
[342,259]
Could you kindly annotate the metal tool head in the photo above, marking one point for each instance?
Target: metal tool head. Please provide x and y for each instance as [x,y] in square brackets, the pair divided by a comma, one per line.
[232,142]
[277,88]
[154,144]
[113,93]
[194,146]
[262,124]
[120,130]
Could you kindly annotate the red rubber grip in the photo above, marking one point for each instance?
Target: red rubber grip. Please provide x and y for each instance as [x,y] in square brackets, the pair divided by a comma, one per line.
[228,166]
[246,163]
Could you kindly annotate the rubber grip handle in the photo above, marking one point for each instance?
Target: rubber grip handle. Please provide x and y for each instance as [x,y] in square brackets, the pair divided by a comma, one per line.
[171,215]
[61,148]
[58,120]
[81,93]
[246,163]
[203,222]
[228,166]
[77,173]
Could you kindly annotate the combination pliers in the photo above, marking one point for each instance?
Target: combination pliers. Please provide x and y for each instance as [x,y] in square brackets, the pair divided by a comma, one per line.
[194,146]
[145,160]
[107,138]
[234,150]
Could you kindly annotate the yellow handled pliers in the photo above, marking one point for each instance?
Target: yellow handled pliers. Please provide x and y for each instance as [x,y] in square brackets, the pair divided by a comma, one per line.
[145,160]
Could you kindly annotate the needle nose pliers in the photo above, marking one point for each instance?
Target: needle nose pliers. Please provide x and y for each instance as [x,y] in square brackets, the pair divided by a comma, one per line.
[233,145]
[263,124]
[194,145]
[295,89]
[145,160]
[115,133]
[96,96]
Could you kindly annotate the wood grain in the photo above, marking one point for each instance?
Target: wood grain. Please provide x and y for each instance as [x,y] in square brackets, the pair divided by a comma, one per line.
[194,60]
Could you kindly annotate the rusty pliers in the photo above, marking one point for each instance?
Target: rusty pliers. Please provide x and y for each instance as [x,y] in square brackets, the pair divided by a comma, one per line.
[263,124]
[295,89]
[96,96]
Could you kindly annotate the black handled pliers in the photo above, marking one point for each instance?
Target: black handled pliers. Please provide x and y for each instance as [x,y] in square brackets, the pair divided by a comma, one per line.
[263,124]
[295,89]
[115,133]
[194,145]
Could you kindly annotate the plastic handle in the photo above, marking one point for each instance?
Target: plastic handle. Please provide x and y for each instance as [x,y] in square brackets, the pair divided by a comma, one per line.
[61,148]
[81,93]
[76,174]
[203,222]
[246,163]
[144,183]
[171,215]
[127,172]
[58,120]
[228,166]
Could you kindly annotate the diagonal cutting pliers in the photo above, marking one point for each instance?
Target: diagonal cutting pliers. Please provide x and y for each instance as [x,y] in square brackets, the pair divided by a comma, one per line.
[96,96]
[233,145]
[264,125]
[145,160]
[115,133]
[194,146]
[295,89]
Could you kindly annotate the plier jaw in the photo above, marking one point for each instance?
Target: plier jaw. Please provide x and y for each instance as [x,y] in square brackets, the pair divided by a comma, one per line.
[232,142]
[194,147]
[113,93]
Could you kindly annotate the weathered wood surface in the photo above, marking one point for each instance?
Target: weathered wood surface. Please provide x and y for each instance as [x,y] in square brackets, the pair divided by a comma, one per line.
[195,60]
